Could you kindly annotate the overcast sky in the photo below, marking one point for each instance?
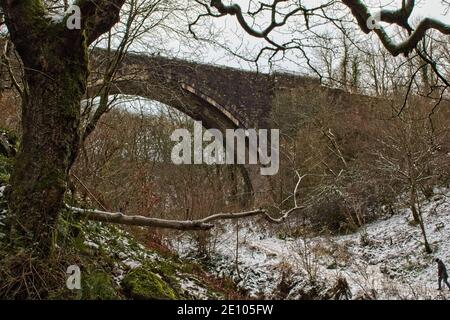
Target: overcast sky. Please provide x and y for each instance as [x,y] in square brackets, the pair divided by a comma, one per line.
[234,37]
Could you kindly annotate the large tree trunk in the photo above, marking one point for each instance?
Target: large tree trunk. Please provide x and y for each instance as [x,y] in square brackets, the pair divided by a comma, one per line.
[55,60]
[55,83]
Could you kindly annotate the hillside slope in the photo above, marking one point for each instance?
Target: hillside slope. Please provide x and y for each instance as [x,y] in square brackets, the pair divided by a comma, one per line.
[113,264]
[385,260]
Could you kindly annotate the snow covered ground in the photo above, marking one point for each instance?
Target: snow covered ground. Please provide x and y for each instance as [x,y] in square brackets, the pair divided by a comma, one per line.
[386,260]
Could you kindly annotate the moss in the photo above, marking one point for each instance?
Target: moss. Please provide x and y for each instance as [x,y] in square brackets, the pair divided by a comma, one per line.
[98,286]
[7,161]
[6,166]
[52,179]
[143,284]
[70,230]
[164,267]
[189,267]
[31,10]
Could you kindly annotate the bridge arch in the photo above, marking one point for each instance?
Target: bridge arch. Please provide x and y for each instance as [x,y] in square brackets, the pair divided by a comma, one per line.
[222,98]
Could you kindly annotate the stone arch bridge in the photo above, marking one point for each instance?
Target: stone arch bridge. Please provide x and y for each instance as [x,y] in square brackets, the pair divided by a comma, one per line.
[220,97]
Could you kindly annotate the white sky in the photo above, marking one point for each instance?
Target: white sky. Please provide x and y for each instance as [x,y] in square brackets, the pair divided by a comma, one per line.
[235,37]
[425,8]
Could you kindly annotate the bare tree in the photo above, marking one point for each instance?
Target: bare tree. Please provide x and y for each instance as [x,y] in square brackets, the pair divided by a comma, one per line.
[410,153]
[277,14]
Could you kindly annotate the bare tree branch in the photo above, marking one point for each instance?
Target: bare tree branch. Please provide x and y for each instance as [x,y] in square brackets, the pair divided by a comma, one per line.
[200,224]
[399,17]
[5,56]
[358,9]
[99,16]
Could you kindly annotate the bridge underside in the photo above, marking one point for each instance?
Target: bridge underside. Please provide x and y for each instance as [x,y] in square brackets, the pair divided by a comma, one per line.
[201,109]
[176,97]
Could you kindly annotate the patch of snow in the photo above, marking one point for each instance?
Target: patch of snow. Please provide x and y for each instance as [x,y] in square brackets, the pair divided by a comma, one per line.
[56,18]
[122,255]
[132,264]
[91,244]
[118,273]
[193,289]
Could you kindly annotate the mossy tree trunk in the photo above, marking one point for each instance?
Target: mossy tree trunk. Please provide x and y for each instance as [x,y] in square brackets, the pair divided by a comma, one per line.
[50,122]
[55,61]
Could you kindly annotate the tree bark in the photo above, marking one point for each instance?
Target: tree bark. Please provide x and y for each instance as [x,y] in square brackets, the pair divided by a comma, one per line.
[55,60]
[50,137]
